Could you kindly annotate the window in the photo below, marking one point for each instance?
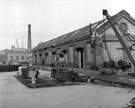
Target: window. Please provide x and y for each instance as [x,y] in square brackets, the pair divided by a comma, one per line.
[17,58]
[123,27]
[11,57]
[22,57]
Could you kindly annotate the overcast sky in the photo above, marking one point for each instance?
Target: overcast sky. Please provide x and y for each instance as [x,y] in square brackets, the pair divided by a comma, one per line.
[51,18]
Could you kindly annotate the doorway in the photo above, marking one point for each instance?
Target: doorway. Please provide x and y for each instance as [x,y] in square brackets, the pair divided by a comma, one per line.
[80,57]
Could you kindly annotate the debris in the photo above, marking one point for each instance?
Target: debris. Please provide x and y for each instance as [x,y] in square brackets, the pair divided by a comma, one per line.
[131,103]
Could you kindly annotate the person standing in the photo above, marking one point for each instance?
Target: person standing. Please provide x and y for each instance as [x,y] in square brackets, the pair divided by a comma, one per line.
[37,74]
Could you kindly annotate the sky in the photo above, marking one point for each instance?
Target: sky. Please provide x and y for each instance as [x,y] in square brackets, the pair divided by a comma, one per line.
[51,18]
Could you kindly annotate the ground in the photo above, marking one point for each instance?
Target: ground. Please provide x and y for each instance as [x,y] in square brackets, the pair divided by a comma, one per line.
[14,94]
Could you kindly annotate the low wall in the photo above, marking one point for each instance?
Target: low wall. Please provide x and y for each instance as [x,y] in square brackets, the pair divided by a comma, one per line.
[7,68]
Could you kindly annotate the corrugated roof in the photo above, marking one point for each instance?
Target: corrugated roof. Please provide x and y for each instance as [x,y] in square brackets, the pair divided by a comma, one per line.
[82,32]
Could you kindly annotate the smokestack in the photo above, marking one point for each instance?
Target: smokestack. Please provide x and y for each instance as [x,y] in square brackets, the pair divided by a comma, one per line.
[29,36]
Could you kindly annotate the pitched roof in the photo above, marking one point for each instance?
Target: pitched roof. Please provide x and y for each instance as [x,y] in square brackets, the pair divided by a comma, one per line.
[82,32]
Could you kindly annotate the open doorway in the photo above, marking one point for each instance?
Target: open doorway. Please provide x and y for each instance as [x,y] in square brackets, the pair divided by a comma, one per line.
[80,57]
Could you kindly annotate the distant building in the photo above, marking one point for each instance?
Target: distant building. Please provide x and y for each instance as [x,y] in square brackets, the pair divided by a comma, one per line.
[18,55]
[2,52]
[3,56]
[82,51]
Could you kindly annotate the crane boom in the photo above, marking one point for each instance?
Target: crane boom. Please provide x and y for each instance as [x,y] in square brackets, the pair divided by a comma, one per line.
[119,37]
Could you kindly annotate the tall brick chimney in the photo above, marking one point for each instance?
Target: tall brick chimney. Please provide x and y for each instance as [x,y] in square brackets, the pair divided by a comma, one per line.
[29,36]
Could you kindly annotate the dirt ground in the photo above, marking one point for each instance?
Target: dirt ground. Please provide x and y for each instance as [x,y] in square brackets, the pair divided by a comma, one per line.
[14,94]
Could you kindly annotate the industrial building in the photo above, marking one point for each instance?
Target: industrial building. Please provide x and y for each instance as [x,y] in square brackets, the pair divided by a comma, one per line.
[89,46]
[16,54]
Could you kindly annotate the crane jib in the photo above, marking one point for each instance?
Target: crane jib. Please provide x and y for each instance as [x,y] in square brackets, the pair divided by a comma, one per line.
[119,37]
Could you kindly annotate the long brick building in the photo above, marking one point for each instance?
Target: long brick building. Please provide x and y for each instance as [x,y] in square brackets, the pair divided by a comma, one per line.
[84,51]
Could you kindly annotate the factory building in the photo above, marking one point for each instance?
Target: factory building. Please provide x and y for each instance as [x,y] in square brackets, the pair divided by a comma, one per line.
[89,46]
[19,55]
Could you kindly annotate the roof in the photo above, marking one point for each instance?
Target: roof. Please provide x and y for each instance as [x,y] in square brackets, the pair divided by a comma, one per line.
[80,33]
[19,49]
